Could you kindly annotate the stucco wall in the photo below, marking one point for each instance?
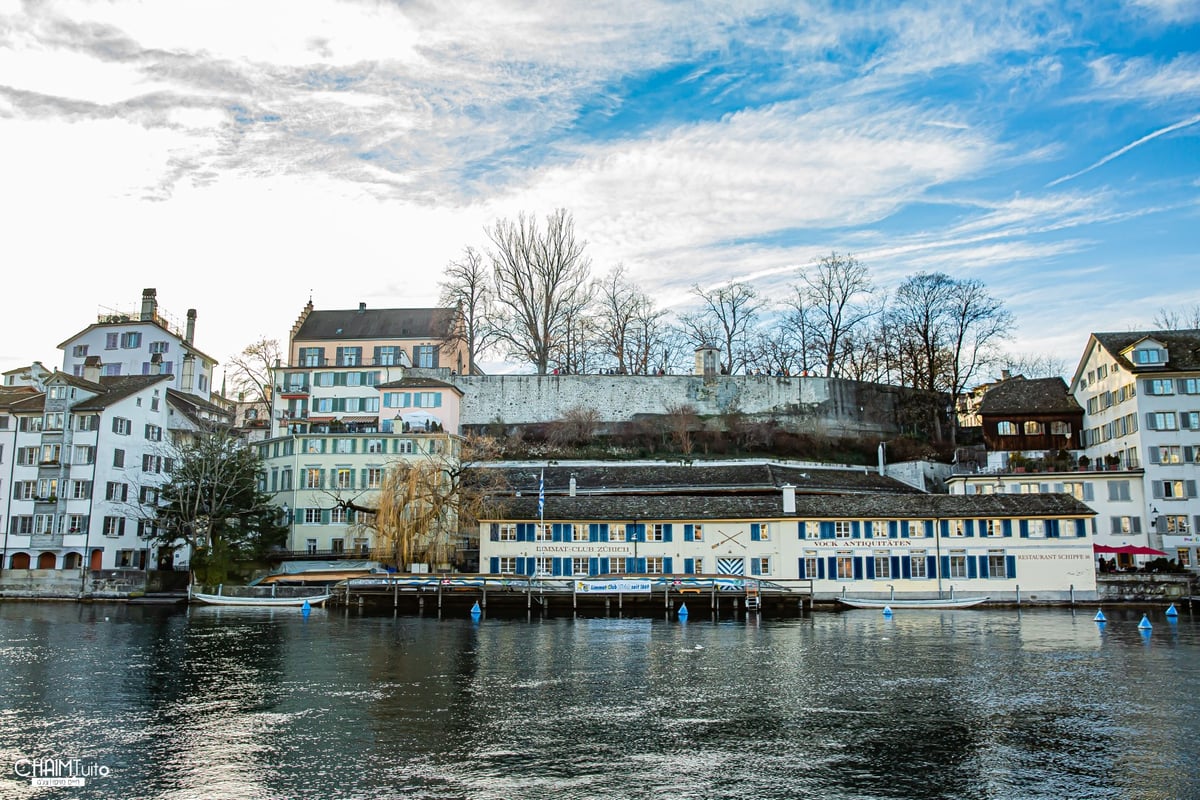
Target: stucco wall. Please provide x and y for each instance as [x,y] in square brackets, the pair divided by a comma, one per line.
[807,405]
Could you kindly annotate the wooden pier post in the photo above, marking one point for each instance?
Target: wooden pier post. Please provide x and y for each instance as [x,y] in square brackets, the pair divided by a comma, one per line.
[439,594]
[484,603]
[395,594]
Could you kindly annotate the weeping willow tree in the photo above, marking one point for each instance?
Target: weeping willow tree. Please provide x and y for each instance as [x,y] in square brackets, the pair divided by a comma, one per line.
[424,505]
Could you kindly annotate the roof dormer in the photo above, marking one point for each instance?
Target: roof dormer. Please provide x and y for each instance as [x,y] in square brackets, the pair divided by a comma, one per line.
[1146,353]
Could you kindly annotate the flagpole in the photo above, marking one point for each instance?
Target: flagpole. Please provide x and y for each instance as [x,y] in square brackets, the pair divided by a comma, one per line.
[541,513]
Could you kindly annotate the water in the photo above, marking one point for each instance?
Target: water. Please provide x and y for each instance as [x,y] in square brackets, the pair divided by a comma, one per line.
[218,703]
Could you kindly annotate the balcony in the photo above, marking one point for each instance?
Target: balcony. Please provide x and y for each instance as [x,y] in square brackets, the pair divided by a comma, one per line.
[292,391]
[45,540]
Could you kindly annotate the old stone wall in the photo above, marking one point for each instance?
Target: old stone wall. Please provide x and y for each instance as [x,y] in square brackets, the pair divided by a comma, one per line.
[827,406]
[67,583]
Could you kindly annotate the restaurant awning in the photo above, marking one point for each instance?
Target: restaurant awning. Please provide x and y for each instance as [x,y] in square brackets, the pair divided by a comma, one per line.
[1127,549]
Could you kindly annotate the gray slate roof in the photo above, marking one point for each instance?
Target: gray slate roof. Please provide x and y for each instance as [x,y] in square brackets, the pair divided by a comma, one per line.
[690,508]
[1030,396]
[375,323]
[418,383]
[118,387]
[1183,347]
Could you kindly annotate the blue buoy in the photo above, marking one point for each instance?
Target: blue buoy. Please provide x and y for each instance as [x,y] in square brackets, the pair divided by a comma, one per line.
[683,612]
[476,611]
[1144,625]
[306,609]
[1100,616]
[1171,612]
[887,611]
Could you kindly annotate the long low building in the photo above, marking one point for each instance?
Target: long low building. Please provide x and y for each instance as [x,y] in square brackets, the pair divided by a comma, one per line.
[845,531]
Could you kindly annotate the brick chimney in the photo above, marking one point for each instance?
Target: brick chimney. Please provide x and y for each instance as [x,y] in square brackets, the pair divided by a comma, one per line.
[149,305]
[190,335]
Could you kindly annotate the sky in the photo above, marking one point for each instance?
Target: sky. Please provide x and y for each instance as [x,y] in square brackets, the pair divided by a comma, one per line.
[243,157]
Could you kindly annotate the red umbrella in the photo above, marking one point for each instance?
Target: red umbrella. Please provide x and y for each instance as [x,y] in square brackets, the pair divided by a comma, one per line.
[1127,549]
[1104,548]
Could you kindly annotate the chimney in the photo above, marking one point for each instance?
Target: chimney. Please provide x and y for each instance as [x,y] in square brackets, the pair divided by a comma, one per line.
[190,335]
[362,307]
[881,454]
[571,489]
[156,363]
[91,369]
[149,305]
[1005,374]
[789,499]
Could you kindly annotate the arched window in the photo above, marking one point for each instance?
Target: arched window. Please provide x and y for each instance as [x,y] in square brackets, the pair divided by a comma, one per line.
[1006,428]
[1033,428]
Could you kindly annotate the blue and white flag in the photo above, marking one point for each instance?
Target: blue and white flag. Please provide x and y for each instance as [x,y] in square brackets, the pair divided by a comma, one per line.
[541,493]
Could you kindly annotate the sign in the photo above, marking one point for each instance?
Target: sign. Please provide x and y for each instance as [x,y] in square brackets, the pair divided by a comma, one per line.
[613,587]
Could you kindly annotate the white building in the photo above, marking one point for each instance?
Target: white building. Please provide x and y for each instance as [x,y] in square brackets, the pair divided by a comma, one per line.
[142,343]
[1141,395]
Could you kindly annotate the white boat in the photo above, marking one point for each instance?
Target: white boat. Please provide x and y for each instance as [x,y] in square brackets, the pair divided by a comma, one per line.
[260,602]
[959,602]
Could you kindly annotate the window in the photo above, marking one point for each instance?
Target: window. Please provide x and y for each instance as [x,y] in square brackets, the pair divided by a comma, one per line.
[30,424]
[112,369]
[370,404]
[697,565]
[425,356]
[1161,421]
[343,446]
[1006,428]
[79,351]
[312,356]
[1174,523]
[698,529]
[27,456]
[314,445]
[115,490]
[845,568]
[1076,489]
[160,347]
[337,545]
[349,356]
[616,565]
[1160,386]
[344,478]
[153,433]
[387,356]
[121,426]
[405,447]
[958,527]
[148,496]
[131,340]
[578,566]
[51,453]
[427,399]
[1118,491]
[312,478]
[312,516]
[21,525]
[374,445]
[542,533]
[1029,488]
[24,490]
[916,529]
[87,422]
[1149,355]
[77,523]
[56,393]
[118,458]
[507,565]
[656,533]
[338,516]
[1125,525]
[48,488]
[84,454]
[114,526]
[997,568]
[507,532]
[760,565]
[111,340]
[1033,428]
[310,546]
[374,477]
[81,490]
[654,565]
[917,565]
[958,566]
[841,529]
[1173,490]
[1169,454]
[883,566]
[578,533]
[616,533]
[991,527]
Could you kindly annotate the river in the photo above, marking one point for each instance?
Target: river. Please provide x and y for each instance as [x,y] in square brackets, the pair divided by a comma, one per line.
[232,703]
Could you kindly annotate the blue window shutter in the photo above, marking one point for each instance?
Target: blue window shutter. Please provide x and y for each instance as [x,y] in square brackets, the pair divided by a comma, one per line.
[945,566]
[895,566]
[827,530]
[969,528]
[870,569]
[689,565]
[530,565]
[667,534]
[299,516]
[668,565]
[520,531]
[801,532]
[325,516]
[603,532]
[800,568]
[755,567]
[405,399]
[520,565]
[930,566]
[868,530]
[604,566]
[1006,527]
[495,531]
[556,566]
[893,529]
[820,569]
[906,566]
[945,526]
[437,399]
[754,531]
[831,568]
[687,532]
[641,565]
[983,567]
[855,530]
[494,565]
[1024,528]
[1048,528]
[1010,564]
[641,531]
[593,532]
[904,529]
[1080,528]
[858,568]
[928,528]
[556,532]
[593,566]
[972,572]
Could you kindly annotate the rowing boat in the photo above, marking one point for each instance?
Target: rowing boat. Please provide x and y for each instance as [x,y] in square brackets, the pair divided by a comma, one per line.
[261,602]
[931,603]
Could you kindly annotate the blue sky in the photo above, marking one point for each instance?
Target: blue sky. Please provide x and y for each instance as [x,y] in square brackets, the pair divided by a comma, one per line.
[239,157]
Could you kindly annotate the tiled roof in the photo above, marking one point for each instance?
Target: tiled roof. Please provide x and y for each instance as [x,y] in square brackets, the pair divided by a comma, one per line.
[838,506]
[118,387]
[1030,396]
[675,479]
[418,383]
[375,323]
[1183,347]
[194,408]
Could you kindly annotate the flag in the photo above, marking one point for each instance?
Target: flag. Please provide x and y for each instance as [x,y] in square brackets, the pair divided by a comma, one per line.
[541,494]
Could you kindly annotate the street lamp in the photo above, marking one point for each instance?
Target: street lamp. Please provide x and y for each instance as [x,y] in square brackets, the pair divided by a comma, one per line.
[287,520]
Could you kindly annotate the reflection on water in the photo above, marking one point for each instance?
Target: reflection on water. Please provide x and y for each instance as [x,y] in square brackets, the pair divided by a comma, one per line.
[246,703]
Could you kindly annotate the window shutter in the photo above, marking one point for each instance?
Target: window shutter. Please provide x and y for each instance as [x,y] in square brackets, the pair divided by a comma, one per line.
[556,566]
[856,530]
[667,535]
[1160,525]
[893,529]
[945,566]
[755,567]
[494,565]
[1080,528]
[1024,528]
[124,495]
[870,568]
[930,566]
[593,566]
[906,566]
[973,571]
[1006,528]
[801,529]
[115,426]
[969,528]
[1154,455]
[754,537]
[1188,453]
[1136,527]
[945,526]
[1150,421]
[821,569]
[520,565]
[929,527]
[1157,489]
[494,528]
[668,565]
[858,568]
[1196,523]
[1115,526]
[437,400]
[1089,493]
[799,570]
[826,530]
[1044,488]
[1189,488]
[687,532]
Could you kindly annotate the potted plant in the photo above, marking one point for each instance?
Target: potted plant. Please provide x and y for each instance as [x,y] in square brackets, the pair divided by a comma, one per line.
[1084,462]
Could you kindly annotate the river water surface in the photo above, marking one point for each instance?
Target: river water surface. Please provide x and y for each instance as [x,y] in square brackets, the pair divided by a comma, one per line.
[216,703]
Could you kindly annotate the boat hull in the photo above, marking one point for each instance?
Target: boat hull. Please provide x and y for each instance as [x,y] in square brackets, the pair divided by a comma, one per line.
[933,603]
[260,602]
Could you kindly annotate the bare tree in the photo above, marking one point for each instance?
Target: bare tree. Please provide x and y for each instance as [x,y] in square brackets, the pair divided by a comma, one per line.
[627,323]
[834,299]
[1172,319]
[683,421]
[468,289]
[1033,365]
[542,282]
[774,350]
[726,316]
[250,370]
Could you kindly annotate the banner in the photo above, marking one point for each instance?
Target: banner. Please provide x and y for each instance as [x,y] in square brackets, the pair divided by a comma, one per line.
[613,587]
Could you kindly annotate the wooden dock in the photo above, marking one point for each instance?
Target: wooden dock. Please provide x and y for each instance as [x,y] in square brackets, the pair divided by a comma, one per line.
[507,595]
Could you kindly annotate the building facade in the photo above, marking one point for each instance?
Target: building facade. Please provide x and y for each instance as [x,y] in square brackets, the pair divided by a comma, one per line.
[1141,395]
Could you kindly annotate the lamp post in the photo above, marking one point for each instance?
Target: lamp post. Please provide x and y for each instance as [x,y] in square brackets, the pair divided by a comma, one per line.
[287,519]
